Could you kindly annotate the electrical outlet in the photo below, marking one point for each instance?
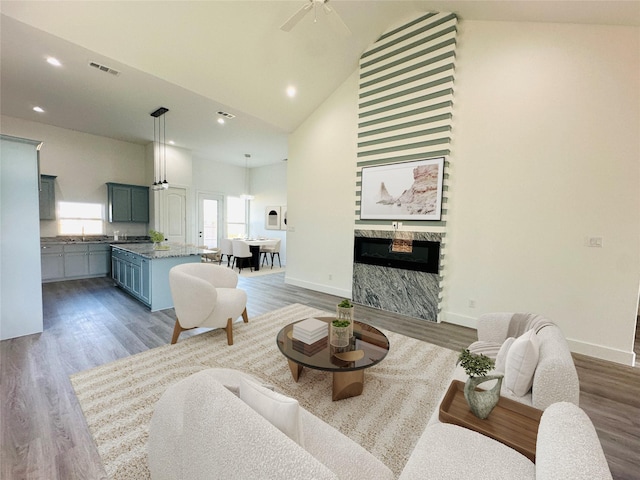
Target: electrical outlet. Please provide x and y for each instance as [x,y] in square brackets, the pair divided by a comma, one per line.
[595,242]
[472,303]
[330,276]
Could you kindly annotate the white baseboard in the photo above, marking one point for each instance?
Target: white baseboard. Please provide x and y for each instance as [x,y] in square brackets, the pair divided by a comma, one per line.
[318,287]
[602,352]
[457,319]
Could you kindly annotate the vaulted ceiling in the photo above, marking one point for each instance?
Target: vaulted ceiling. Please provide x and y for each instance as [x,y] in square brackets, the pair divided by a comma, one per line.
[200,57]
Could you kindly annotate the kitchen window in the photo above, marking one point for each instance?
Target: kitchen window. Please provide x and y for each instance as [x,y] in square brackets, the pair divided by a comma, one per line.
[236,217]
[76,218]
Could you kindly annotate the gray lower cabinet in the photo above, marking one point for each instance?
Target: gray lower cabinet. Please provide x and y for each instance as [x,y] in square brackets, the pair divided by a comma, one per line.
[132,273]
[145,280]
[52,262]
[99,259]
[73,261]
[76,261]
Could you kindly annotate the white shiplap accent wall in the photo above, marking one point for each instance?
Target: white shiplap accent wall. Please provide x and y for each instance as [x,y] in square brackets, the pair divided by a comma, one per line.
[405,106]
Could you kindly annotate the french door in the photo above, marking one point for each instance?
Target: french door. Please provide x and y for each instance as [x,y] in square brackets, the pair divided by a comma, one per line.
[210,219]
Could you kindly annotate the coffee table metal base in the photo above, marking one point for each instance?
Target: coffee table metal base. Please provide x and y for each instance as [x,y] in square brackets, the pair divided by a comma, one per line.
[345,384]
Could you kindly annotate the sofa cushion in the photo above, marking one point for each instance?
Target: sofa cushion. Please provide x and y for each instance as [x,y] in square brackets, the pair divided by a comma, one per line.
[501,357]
[282,411]
[521,362]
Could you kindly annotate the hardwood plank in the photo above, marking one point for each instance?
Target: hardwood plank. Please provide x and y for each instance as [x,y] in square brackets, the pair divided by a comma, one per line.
[90,322]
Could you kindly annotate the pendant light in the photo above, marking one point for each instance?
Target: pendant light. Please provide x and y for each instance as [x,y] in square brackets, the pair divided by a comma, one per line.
[160,149]
[246,195]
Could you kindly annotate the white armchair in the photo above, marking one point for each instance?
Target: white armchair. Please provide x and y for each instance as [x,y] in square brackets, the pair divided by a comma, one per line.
[205,295]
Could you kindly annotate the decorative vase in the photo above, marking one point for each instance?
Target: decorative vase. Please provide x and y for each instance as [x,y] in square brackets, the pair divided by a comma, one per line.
[339,336]
[482,402]
[346,313]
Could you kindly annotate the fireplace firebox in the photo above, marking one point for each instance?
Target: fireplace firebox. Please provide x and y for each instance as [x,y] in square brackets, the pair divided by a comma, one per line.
[417,255]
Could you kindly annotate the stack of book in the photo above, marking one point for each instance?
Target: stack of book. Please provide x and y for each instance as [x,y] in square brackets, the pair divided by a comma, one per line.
[310,336]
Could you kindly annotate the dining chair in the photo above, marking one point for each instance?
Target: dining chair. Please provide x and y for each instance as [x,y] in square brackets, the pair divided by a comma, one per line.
[273,250]
[226,248]
[241,255]
[214,256]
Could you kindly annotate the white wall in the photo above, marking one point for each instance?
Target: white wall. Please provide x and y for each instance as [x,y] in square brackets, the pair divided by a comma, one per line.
[321,195]
[83,164]
[269,186]
[545,154]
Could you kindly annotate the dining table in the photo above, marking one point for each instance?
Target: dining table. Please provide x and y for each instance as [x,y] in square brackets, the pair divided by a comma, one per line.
[254,247]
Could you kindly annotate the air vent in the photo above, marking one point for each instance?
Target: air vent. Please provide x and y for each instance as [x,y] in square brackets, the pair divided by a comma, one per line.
[104,68]
[226,115]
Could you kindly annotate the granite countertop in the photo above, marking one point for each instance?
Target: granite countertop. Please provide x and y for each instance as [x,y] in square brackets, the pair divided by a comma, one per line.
[146,250]
[95,239]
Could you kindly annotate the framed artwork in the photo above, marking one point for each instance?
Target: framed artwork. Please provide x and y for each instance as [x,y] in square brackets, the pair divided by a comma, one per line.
[283,217]
[272,218]
[402,191]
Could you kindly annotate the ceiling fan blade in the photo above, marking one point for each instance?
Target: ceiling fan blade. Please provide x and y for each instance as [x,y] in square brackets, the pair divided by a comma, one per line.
[296,17]
[336,19]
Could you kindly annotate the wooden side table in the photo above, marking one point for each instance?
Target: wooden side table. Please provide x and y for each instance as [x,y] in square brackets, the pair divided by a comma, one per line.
[512,423]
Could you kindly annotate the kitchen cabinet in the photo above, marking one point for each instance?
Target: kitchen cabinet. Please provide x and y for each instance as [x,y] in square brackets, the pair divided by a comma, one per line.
[52,262]
[132,273]
[143,272]
[73,261]
[76,261]
[99,259]
[128,203]
[47,197]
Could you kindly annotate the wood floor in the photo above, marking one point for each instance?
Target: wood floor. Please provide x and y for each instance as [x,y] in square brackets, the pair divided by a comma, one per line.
[90,322]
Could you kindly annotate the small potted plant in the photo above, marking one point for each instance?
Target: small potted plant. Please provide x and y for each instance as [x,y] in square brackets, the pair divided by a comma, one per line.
[481,402]
[157,238]
[340,335]
[344,311]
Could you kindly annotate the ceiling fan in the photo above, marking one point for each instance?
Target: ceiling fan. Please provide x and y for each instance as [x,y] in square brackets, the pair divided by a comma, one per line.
[315,5]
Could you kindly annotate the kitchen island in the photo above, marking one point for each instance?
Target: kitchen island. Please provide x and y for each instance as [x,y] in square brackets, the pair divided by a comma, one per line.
[143,272]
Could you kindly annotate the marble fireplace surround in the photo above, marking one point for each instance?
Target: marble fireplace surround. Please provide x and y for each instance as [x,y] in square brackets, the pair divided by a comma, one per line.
[407,292]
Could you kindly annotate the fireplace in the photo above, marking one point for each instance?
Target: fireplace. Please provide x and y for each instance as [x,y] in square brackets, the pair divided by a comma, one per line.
[417,255]
[398,272]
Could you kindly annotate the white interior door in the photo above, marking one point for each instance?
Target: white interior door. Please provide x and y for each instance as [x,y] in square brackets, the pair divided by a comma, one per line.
[210,210]
[175,215]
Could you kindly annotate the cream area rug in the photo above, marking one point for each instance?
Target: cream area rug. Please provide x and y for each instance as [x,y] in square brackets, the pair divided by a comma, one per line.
[400,393]
[266,270]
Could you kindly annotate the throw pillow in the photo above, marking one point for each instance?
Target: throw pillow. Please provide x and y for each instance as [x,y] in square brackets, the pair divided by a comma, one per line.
[283,412]
[501,357]
[522,359]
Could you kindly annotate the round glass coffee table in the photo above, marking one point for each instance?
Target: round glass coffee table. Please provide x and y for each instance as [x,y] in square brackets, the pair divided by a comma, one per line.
[368,347]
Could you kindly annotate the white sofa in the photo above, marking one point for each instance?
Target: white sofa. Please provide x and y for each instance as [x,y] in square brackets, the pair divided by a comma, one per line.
[567,448]
[555,378]
[201,430]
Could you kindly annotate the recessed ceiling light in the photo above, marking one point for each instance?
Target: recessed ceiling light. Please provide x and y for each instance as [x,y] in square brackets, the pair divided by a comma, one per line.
[221,121]
[291,91]
[171,142]
[54,61]
[38,109]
